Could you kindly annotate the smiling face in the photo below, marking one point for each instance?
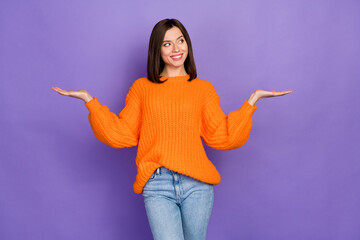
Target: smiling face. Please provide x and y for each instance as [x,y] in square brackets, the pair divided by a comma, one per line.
[174,49]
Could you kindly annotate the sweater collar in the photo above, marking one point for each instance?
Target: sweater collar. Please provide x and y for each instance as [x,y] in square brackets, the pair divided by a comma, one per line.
[177,78]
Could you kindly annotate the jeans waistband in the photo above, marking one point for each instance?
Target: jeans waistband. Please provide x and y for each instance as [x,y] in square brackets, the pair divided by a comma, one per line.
[163,169]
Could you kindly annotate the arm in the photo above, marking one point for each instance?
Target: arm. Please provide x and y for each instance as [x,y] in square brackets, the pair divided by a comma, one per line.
[224,132]
[116,131]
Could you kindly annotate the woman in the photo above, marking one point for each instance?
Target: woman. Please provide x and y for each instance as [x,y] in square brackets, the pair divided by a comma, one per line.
[166,113]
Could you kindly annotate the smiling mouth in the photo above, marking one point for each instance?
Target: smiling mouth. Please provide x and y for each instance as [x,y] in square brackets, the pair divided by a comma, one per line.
[176,57]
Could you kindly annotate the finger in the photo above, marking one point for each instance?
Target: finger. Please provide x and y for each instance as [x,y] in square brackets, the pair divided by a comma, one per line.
[283,93]
[56,89]
[275,94]
[62,92]
[279,93]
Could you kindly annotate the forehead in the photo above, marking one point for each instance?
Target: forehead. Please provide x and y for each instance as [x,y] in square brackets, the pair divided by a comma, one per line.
[172,33]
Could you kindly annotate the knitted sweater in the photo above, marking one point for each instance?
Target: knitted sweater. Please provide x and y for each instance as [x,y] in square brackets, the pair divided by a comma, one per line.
[167,122]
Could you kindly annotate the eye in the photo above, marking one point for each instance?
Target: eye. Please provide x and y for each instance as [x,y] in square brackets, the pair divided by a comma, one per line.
[181,40]
[165,44]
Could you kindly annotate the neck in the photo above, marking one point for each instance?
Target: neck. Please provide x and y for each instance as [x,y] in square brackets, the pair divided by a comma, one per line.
[173,72]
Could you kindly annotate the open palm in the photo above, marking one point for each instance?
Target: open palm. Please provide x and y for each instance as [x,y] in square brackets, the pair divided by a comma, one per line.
[265,94]
[80,94]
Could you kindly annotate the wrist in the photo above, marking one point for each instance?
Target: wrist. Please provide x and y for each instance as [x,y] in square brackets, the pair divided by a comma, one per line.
[253,99]
[88,98]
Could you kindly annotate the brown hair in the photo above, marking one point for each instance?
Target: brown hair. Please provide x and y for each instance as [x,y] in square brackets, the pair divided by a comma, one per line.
[155,64]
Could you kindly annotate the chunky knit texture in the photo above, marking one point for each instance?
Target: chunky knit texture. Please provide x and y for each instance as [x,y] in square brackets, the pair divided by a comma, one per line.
[167,122]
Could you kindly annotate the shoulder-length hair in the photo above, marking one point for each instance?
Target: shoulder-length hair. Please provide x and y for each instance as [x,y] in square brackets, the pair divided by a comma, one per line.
[155,64]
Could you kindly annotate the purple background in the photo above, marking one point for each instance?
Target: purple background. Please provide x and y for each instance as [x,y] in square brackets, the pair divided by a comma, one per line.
[296,178]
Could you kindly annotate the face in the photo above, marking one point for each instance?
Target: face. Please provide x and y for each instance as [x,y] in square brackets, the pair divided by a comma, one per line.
[174,49]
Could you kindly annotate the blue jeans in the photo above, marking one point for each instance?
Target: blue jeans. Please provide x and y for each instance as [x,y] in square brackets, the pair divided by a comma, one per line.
[178,207]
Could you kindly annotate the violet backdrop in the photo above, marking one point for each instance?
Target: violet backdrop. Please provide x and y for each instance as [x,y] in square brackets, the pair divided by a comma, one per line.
[296,178]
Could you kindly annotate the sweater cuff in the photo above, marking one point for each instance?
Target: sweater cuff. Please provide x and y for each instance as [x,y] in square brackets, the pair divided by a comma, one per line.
[248,108]
[93,104]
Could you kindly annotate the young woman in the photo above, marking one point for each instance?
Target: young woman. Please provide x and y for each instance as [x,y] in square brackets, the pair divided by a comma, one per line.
[166,114]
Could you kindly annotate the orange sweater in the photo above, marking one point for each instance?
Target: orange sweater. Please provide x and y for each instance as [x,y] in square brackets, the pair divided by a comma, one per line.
[167,121]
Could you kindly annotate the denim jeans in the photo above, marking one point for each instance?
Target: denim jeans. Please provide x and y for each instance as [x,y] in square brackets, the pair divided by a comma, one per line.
[178,207]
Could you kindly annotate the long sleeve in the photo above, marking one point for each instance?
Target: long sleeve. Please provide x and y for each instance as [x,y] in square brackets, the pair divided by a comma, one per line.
[117,131]
[224,132]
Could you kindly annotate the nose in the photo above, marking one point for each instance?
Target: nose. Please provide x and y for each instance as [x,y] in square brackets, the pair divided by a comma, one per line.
[175,48]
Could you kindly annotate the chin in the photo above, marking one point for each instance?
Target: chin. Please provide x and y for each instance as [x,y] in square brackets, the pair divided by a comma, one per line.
[178,65]
[175,65]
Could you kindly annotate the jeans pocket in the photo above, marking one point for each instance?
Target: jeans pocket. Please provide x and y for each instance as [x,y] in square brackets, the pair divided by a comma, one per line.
[155,175]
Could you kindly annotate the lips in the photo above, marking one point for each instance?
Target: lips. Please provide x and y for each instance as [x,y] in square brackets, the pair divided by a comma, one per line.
[177,57]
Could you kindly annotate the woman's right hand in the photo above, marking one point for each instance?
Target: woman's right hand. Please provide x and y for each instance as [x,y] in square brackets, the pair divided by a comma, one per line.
[81,94]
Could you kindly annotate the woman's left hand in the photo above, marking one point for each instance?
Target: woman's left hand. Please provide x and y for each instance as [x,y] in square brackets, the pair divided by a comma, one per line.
[265,94]
[259,94]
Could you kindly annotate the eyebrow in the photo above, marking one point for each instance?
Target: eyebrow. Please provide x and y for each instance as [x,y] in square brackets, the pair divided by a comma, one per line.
[176,39]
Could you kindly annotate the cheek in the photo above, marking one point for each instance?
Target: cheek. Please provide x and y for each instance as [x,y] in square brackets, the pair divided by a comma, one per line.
[186,52]
[164,53]
[185,48]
